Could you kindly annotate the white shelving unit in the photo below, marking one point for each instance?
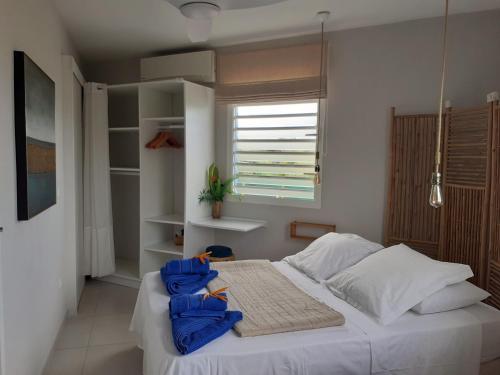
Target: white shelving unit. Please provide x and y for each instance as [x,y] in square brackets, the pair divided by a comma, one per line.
[149,210]
[229,223]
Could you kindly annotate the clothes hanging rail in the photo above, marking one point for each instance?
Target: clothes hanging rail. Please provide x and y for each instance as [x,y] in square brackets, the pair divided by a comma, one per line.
[125,171]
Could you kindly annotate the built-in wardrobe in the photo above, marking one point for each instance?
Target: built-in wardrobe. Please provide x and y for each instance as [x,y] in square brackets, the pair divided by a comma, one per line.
[154,191]
[467,228]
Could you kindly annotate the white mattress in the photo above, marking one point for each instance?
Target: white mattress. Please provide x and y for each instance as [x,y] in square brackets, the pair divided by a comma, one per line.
[453,342]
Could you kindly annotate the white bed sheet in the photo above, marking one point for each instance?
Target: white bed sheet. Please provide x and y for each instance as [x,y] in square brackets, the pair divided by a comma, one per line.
[445,343]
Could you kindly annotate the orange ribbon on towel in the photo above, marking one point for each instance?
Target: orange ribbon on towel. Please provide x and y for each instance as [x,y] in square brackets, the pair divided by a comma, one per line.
[217,294]
[203,257]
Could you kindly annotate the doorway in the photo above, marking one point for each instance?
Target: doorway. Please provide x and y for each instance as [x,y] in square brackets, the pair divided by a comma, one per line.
[74,279]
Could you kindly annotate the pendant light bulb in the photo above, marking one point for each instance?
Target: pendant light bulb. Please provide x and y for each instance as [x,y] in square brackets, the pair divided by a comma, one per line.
[436,197]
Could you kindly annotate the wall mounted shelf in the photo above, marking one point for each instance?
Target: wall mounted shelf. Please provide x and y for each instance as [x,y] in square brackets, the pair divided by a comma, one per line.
[323,228]
[229,223]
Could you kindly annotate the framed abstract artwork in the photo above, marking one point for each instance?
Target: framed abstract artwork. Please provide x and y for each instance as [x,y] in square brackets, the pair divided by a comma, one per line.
[34,112]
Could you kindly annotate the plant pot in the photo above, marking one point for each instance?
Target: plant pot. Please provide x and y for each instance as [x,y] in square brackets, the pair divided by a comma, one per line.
[179,240]
[216,210]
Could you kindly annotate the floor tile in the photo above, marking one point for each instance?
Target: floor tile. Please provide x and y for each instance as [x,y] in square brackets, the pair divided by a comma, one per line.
[88,302]
[66,362]
[92,284]
[75,333]
[115,299]
[122,359]
[112,329]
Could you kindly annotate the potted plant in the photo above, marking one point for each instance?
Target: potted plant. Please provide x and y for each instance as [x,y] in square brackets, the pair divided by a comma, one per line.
[215,191]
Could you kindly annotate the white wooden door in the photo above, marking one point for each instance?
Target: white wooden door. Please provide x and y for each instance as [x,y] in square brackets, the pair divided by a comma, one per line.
[78,121]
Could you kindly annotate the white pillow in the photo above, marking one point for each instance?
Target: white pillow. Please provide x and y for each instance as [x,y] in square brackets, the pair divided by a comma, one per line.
[451,297]
[393,280]
[332,253]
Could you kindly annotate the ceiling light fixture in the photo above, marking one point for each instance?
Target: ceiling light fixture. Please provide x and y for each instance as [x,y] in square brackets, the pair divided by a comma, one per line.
[199,17]
[436,199]
[200,14]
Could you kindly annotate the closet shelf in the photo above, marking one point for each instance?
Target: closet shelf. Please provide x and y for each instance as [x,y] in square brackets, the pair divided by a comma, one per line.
[174,120]
[229,223]
[124,129]
[170,127]
[119,170]
[168,247]
[175,219]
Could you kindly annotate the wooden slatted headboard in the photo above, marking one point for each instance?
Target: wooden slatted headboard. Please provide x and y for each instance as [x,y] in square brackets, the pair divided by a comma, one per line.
[493,278]
[467,228]
[467,173]
[409,218]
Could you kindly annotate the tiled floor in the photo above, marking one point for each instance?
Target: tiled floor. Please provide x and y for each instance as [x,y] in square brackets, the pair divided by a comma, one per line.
[97,341]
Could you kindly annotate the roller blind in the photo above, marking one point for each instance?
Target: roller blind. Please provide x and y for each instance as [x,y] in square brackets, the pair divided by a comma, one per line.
[273,151]
[271,74]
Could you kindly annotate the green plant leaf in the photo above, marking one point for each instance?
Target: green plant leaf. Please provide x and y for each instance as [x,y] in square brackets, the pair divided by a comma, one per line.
[216,188]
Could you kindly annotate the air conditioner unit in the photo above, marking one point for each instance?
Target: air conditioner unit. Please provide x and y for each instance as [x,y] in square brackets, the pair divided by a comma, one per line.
[193,66]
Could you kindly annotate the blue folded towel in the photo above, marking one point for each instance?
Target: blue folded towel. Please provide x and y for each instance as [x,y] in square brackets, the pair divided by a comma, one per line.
[200,314]
[186,266]
[191,333]
[185,283]
[192,302]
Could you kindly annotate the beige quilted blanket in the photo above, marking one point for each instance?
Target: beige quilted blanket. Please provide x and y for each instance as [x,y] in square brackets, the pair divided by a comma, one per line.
[269,301]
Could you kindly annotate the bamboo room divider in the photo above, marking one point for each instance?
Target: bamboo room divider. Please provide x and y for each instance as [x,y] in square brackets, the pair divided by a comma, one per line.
[467,228]
[493,280]
[409,219]
[467,174]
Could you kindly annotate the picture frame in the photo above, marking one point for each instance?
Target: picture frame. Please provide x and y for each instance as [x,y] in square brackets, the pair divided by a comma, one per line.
[35,138]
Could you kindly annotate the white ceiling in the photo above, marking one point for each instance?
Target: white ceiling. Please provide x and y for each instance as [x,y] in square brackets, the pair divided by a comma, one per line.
[119,29]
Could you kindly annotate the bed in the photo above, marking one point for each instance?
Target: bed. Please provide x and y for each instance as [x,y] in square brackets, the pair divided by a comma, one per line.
[454,342]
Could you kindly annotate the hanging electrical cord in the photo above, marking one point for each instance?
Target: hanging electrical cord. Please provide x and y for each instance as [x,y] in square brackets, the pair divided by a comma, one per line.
[436,196]
[323,16]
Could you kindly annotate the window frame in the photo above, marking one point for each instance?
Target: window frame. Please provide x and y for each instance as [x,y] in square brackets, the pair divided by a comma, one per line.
[269,200]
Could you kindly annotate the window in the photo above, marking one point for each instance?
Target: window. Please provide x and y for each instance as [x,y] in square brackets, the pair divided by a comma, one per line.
[273,152]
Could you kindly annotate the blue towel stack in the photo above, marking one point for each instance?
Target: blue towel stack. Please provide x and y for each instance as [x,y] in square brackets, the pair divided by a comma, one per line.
[198,319]
[187,275]
[181,303]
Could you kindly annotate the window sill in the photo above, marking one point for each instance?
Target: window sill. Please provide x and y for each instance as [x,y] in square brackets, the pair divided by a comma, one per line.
[272,201]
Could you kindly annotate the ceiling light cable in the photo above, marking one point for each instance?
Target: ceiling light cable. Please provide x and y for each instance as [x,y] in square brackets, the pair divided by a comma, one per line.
[323,16]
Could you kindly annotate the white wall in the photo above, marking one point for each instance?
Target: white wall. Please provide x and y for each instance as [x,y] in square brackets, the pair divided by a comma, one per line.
[370,70]
[32,251]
